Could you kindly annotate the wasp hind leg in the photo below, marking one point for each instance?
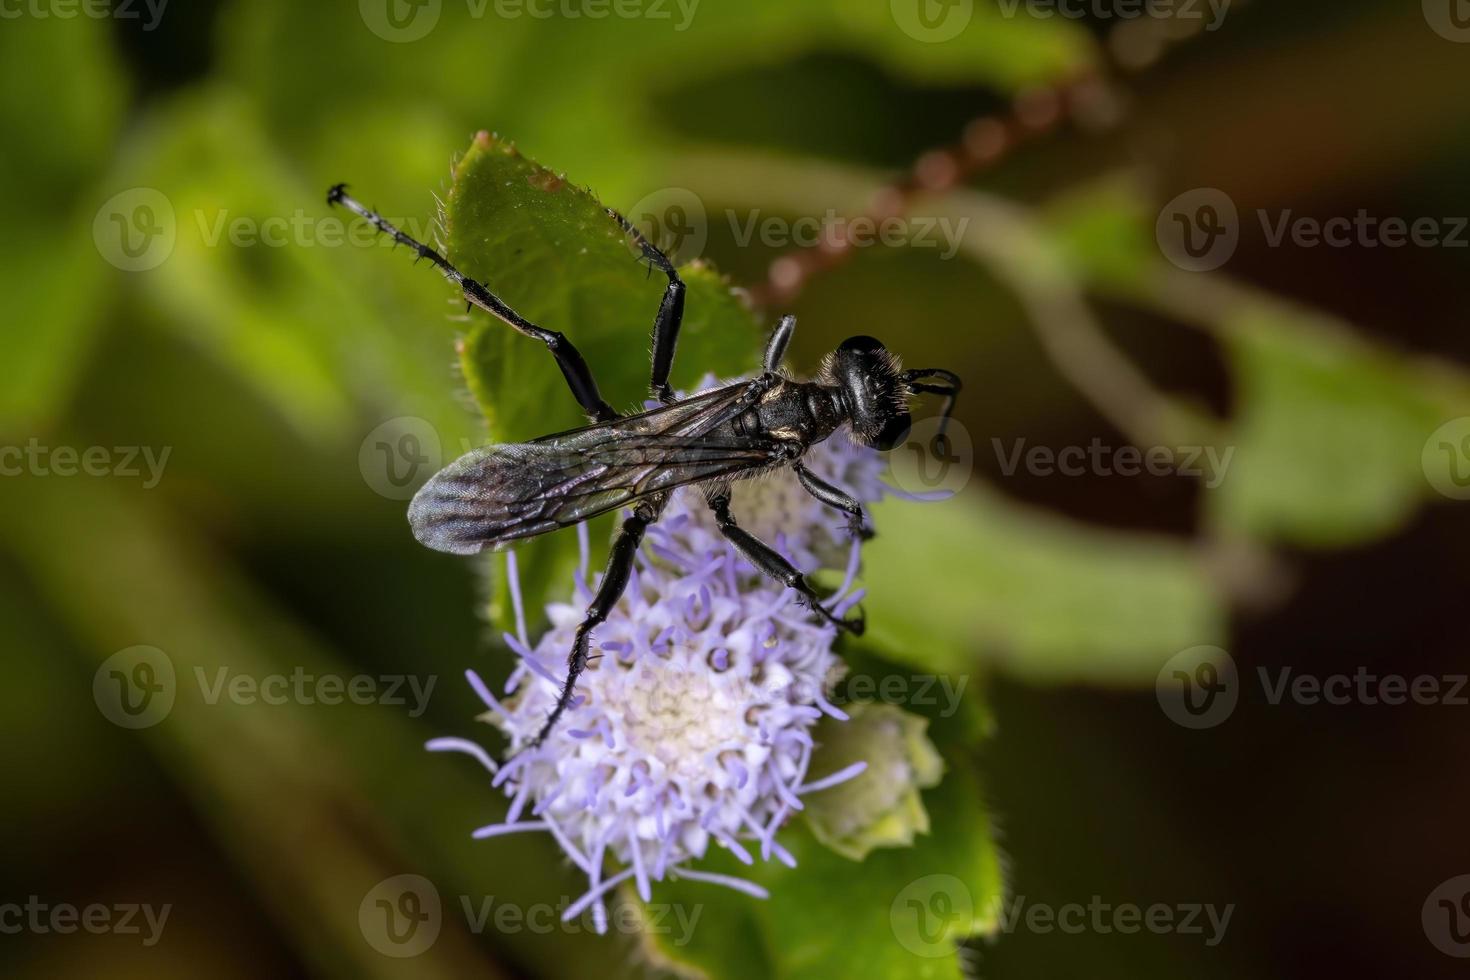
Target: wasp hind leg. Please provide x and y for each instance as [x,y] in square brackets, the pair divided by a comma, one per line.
[670,315]
[770,562]
[609,591]
[573,366]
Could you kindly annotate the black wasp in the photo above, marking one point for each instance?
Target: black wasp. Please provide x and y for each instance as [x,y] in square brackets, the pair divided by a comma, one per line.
[495,495]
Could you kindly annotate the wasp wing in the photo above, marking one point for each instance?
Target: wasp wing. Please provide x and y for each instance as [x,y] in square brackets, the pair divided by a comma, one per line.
[498,494]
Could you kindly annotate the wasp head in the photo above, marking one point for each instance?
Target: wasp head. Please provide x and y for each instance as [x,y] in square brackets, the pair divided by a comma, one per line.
[874,394]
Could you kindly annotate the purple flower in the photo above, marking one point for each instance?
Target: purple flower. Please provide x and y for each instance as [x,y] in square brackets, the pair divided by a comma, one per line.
[693,722]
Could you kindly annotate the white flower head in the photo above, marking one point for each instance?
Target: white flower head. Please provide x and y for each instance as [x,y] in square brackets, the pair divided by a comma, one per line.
[692,724]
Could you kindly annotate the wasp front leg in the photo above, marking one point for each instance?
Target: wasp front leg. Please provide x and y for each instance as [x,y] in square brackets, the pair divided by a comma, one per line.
[857,525]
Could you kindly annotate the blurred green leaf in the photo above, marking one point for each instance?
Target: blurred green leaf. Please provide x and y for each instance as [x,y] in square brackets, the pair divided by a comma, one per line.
[897,913]
[1329,433]
[1040,597]
[1102,233]
[57,282]
[1330,428]
[579,88]
[272,283]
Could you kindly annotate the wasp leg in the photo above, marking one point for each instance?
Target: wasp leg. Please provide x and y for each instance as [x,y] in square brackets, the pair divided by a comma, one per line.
[670,311]
[776,346]
[950,389]
[769,561]
[835,498]
[614,581]
[573,366]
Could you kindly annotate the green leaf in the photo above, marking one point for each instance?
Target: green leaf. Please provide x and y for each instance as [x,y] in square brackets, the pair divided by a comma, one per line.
[897,913]
[1039,597]
[1328,443]
[549,249]
[1329,435]
[1102,232]
[57,284]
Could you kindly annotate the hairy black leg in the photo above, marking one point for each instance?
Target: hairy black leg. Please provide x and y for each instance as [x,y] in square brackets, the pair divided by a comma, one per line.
[833,497]
[776,346]
[573,367]
[770,562]
[670,311]
[614,581]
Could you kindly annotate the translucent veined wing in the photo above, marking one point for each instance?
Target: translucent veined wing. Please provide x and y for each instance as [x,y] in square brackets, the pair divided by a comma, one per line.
[498,494]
